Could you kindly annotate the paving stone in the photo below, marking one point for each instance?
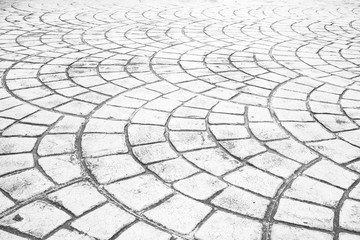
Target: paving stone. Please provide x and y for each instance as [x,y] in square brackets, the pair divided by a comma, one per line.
[78,198]
[57,144]
[77,107]
[221,118]
[350,215]
[336,123]
[227,226]
[61,168]
[229,107]
[186,124]
[188,112]
[105,126]
[173,170]
[305,214]
[42,117]
[68,124]
[304,188]
[294,150]
[267,131]
[347,236]
[19,129]
[139,192]
[179,213]
[291,115]
[190,140]
[337,150]
[6,203]
[243,148]
[355,193]
[145,116]
[142,231]
[308,131]
[229,132]
[103,222]
[36,219]
[351,136]
[111,168]
[114,113]
[241,201]
[9,236]
[16,144]
[200,186]
[163,104]
[213,160]
[143,134]
[254,180]
[14,162]
[285,232]
[258,114]
[64,234]
[96,145]
[154,152]
[275,164]
[25,184]
[331,173]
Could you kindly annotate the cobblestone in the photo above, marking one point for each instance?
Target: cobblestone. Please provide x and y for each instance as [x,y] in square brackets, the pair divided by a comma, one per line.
[181,120]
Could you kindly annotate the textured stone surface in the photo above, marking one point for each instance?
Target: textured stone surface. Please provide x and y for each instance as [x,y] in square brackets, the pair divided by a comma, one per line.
[196,120]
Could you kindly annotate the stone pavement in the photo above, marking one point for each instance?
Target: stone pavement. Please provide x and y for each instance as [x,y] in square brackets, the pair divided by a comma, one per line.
[164,120]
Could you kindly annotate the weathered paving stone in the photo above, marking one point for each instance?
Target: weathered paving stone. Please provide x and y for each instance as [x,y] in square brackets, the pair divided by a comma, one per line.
[267,131]
[61,168]
[16,144]
[213,160]
[103,222]
[305,214]
[65,234]
[275,164]
[78,198]
[201,186]
[105,126]
[226,226]
[191,140]
[57,144]
[294,150]
[95,145]
[348,236]
[142,231]
[9,236]
[350,215]
[142,134]
[285,232]
[179,213]
[36,219]
[173,170]
[6,203]
[111,168]
[254,180]
[154,152]
[229,132]
[337,150]
[139,192]
[243,148]
[332,173]
[308,131]
[14,162]
[304,188]
[25,184]
[241,201]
